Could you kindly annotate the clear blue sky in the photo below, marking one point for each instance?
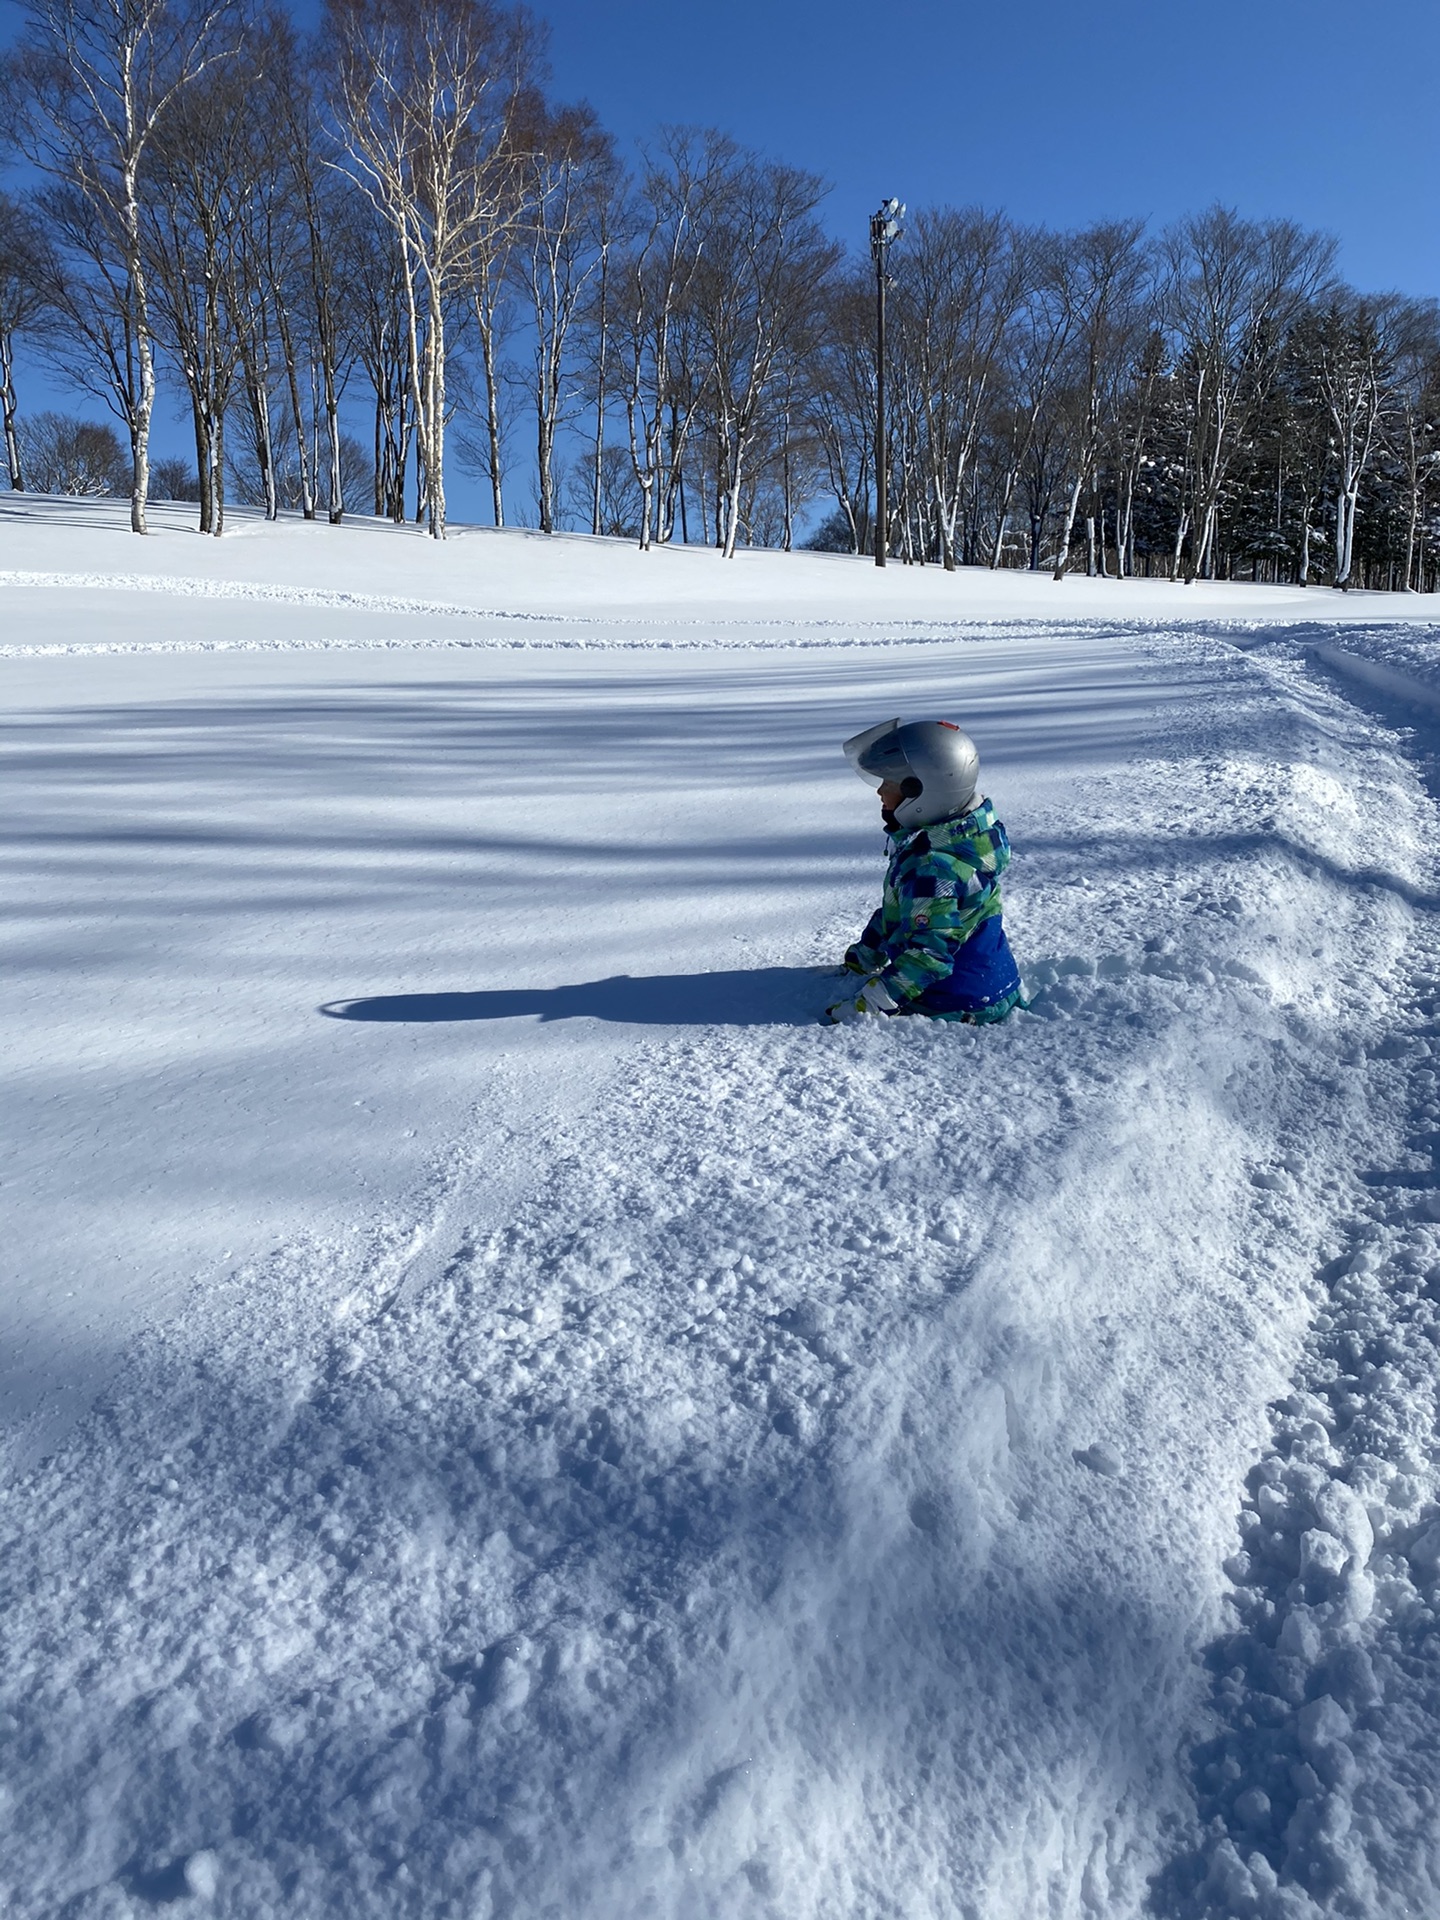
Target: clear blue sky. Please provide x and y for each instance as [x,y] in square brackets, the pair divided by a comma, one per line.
[1320,109]
[1059,112]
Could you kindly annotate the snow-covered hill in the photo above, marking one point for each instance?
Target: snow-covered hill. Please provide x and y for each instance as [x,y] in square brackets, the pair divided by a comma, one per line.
[508,1416]
[393,583]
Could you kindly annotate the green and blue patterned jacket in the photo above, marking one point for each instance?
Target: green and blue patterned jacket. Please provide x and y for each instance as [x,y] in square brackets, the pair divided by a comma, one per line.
[942,887]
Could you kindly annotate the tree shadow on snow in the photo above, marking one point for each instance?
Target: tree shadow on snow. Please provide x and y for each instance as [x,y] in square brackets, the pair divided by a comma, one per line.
[740,997]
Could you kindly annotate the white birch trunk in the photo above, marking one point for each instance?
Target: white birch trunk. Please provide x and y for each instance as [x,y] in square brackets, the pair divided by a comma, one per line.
[145,359]
[8,411]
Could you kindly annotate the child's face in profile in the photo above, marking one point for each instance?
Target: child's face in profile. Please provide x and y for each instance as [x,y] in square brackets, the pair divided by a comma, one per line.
[891,794]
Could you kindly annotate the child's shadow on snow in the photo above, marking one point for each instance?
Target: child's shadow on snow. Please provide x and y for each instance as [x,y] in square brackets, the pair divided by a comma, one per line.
[745,997]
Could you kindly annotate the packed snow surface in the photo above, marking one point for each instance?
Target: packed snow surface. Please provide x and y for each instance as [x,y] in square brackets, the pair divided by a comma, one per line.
[507,1415]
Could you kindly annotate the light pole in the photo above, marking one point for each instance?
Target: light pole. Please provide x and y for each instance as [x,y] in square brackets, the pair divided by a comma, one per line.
[885,229]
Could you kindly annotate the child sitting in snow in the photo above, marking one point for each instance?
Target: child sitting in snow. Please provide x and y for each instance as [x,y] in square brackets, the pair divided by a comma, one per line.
[936,945]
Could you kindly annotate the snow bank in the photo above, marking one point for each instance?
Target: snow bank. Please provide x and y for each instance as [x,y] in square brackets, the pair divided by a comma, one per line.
[1318,1784]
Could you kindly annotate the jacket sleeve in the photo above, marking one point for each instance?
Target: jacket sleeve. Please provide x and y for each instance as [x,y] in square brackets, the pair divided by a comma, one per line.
[868,954]
[942,911]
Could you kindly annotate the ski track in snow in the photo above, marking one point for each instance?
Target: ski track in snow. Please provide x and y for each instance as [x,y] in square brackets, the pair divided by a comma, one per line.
[709,630]
[1410,646]
[817,1494]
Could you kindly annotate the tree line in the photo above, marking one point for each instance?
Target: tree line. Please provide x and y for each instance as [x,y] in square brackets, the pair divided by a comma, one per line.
[390,218]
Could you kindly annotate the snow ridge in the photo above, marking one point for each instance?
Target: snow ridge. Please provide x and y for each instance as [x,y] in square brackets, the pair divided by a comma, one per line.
[707,642]
[199,587]
[183,586]
[1318,1790]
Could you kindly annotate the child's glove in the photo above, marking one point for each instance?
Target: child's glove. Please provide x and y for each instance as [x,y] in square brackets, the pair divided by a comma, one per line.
[873,997]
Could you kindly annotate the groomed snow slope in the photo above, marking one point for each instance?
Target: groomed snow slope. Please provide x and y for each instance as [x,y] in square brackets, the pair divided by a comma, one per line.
[393,583]
[642,1452]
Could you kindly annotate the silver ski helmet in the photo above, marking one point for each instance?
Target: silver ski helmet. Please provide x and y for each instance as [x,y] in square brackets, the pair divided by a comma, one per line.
[931,761]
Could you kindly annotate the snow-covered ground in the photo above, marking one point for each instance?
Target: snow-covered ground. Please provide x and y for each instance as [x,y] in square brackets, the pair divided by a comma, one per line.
[507,1416]
[390,585]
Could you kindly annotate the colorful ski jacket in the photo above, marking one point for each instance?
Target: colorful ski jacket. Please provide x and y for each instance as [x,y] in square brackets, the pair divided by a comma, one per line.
[937,941]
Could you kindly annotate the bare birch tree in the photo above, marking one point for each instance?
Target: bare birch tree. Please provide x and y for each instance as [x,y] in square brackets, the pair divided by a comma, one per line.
[438,105]
[612,216]
[90,335]
[371,292]
[98,78]
[294,86]
[492,313]
[1415,432]
[960,286]
[840,405]
[759,292]
[1234,288]
[207,162]
[1352,348]
[663,377]
[562,248]
[1106,274]
[1035,353]
[25,270]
